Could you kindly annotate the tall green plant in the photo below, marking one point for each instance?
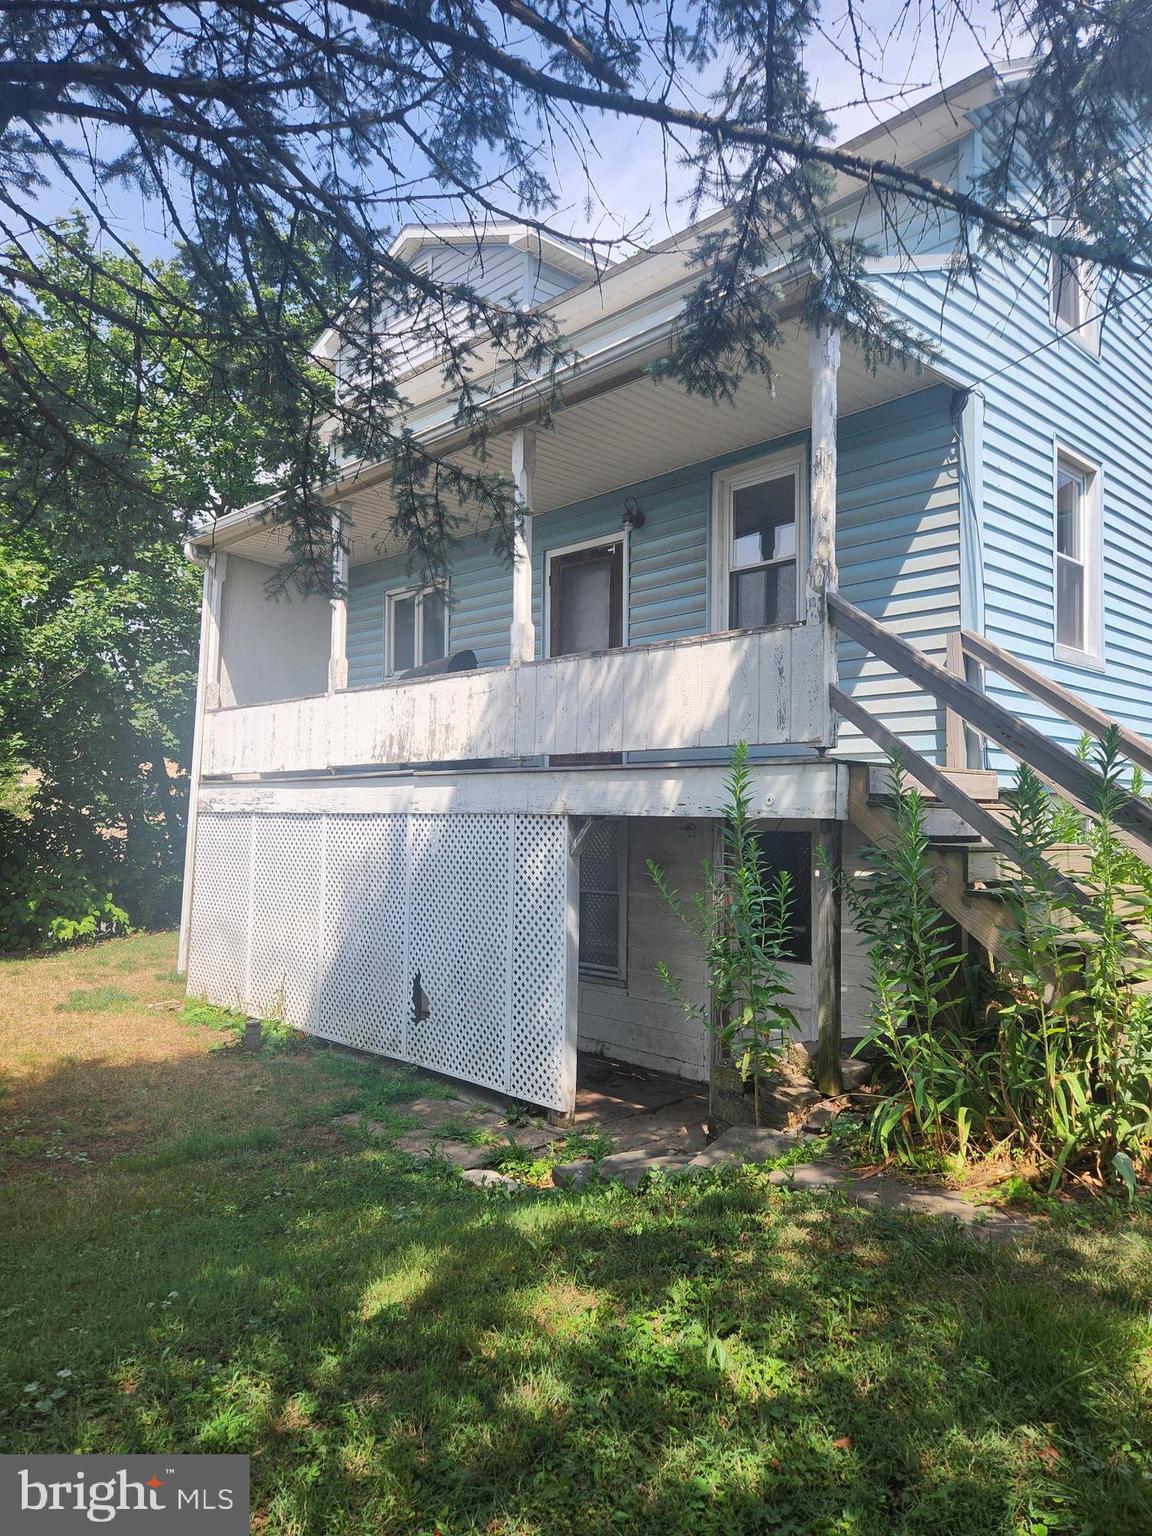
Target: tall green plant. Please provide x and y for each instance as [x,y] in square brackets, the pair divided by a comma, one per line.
[919,984]
[1058,1061]
[1077,1022]
[743,923]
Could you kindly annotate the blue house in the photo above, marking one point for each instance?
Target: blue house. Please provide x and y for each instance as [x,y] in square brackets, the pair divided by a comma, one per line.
[450,868]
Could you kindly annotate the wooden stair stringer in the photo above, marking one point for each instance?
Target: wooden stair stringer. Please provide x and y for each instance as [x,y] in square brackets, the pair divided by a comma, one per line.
[985,918]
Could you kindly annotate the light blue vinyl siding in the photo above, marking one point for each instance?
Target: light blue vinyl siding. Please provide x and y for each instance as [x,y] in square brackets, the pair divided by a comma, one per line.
[898,542]
[898,548]
[479,608]
[921,230]
[667,579]
[1040,388]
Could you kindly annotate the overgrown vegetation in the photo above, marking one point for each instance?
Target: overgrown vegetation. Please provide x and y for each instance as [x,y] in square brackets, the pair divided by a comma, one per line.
[743,924]
[99,609]
[193,1258]
[1048,1057]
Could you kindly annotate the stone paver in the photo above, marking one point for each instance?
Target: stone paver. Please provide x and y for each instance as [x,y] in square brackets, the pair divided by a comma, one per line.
[890,1195]
[745,1144]
[489,1178]
[573,1175]
[533,1138]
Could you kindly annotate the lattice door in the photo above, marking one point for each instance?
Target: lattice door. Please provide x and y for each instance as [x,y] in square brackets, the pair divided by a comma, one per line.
[364,989]
[327,920]
[460,889]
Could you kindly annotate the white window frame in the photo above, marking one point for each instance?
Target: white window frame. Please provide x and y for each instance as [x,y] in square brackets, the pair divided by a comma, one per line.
[1086,332]
[395,596]
[725,484]
[621,536]
[617,975]
[1091,537]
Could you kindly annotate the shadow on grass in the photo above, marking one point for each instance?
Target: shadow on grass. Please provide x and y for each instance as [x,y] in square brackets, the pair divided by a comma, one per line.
[402,1354]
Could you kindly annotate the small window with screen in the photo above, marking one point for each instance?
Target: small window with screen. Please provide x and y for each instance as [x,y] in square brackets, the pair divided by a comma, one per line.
[602,911]
[791,852]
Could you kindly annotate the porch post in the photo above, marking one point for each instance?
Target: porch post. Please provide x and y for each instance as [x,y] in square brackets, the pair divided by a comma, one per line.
[823,576]
[523,635]
[338,648]
[207,697]
[826,953]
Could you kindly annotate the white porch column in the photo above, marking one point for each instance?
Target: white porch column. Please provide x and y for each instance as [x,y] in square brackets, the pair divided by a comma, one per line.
[823,578]
[207,697]
[523,634]
[338,649]
[824,360]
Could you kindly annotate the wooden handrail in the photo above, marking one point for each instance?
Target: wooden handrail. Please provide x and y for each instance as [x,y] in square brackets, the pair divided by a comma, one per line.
[1057,766]
[1086,716]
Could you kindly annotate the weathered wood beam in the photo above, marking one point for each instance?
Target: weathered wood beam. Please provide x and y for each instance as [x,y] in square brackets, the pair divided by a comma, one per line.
[955,738]
[338,648]
[523,635]
[1085,716]
[936,781]
[1052,762]
[823,574]
[986,918]
[826,928]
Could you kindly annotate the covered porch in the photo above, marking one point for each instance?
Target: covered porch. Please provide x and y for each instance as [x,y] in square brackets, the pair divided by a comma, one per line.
[617,626]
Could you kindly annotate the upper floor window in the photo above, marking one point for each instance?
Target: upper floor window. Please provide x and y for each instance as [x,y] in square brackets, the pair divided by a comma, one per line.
[757,544]
[1077,557]
[416,630]
[1072,292]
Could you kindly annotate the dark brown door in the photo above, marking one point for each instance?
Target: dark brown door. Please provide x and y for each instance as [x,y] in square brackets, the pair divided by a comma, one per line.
[586,600]
[586,613]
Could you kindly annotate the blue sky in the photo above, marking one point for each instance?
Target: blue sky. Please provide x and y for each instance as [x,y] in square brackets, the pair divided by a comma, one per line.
[910,48]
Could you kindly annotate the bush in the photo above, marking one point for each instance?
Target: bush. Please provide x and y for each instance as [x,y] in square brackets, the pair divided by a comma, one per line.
[1049,1054]
[48,900]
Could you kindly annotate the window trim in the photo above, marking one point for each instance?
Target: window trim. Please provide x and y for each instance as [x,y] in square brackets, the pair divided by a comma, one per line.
[1086,334]
[608,975]
[725,484]
[620,536]
[393,596]
[1091,655]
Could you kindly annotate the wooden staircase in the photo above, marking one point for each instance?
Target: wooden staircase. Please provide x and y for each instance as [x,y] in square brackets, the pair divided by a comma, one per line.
[966,820]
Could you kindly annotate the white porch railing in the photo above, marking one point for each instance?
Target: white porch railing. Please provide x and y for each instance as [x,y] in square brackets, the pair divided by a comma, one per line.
[766,687]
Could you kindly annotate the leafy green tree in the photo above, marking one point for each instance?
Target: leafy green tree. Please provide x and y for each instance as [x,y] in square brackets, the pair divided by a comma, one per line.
[99,608]
[265,134]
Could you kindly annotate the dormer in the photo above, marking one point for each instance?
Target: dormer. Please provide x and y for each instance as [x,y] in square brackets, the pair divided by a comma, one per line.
[507,263]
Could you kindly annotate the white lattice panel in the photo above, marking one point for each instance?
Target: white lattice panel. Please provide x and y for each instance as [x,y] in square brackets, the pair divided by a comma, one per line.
[460,885]
[365,991]
[324,920]
[284,964]
[538,1052]
[218,949]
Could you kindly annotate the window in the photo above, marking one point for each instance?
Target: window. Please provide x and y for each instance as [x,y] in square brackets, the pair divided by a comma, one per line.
[417,630]
[757,546]
[1076,573]
[791,852]
[1072,288]
[602,910]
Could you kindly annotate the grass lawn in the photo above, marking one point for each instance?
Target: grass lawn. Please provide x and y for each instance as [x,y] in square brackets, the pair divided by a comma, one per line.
[192,1258]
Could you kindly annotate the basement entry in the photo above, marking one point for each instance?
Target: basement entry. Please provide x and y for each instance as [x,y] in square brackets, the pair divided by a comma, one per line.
[445,940]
